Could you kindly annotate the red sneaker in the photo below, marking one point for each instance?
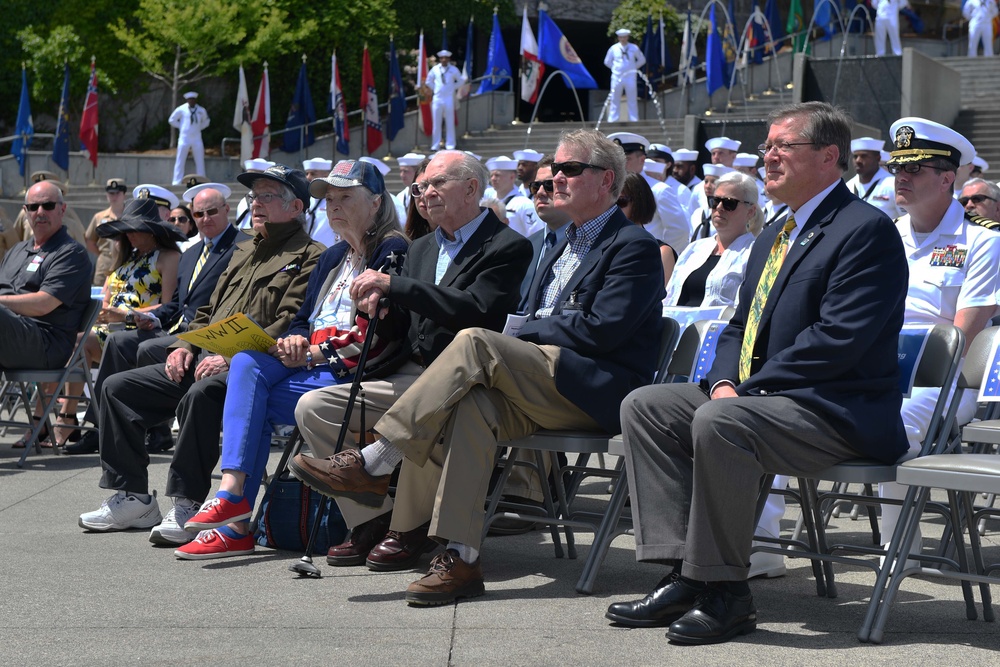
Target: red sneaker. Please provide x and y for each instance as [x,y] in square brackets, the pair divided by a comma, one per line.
[213,544]
[217,512]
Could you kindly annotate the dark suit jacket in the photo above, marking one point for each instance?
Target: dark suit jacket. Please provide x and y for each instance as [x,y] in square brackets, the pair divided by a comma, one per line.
[186,303]
[479,289]
[536,241]
[606,319]
[829,330]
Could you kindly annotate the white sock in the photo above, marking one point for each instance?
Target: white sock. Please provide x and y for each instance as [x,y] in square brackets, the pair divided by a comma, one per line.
[465,552]
[381,457]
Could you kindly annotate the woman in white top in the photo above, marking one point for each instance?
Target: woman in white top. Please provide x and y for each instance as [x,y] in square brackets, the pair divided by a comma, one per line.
[709,271]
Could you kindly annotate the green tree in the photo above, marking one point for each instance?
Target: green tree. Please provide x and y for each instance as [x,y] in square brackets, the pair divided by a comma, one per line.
[633,14]
[46,55]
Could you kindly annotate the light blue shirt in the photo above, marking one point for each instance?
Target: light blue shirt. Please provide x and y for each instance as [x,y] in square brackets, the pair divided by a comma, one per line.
[448,250]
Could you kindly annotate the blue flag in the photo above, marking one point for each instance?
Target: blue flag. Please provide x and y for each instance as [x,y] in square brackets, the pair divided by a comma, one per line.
[397,99]
[823,18]
[774,22]
[497,63]
[555,50]
[715,59]
[301,112]
[24,128]
[757,40]
[467,66]
[60,149]
[651,49]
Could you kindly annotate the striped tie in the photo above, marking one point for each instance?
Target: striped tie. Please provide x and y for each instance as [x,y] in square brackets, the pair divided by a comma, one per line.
[771,268]
[206,251]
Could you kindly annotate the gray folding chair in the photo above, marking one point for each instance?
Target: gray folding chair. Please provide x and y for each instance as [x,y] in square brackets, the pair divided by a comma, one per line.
[961,475]
[29,382]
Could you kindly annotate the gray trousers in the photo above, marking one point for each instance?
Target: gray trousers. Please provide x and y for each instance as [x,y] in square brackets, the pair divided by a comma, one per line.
[24,344]
[695,465]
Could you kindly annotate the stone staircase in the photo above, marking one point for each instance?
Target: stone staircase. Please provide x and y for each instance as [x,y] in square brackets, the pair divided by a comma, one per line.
[978,120]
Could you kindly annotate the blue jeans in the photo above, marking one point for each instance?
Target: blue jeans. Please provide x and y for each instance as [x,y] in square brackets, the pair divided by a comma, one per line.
[262,391]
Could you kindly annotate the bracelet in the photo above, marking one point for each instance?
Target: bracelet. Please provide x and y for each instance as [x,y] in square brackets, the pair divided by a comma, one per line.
[309,360]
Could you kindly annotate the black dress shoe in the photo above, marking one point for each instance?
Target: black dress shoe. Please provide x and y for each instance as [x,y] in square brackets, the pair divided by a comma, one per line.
[90,443]
[716,617]
[159,439]
[361,540]
[670,600]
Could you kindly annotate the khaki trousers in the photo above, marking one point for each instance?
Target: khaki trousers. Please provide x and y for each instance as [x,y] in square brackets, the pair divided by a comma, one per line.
[484,388]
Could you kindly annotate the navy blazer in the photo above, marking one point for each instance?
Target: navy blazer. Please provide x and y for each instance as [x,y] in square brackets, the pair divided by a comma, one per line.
[536,240]
[479,289]
[186,303]
[606,319]
[829,330]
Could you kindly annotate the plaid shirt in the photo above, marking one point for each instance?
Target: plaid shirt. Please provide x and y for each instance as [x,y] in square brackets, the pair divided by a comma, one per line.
[579,241]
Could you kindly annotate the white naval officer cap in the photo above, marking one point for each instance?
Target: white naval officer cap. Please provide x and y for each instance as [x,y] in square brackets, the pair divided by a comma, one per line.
[981,163]
[630,141]
[160,195]
[918,140]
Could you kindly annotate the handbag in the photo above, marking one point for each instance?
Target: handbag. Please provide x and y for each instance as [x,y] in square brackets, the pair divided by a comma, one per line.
[286,517]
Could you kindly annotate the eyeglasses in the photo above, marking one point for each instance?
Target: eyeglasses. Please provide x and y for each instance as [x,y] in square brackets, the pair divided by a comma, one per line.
[198,215]
[47,205]
[420,189]
[910,168]
[182,218]
[782,147]
[975,199]
[623,201]
[264,198]
[547,184]
[728,203]
[573,168]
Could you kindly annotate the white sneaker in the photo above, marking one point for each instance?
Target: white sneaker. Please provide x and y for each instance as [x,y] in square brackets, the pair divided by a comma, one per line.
[121,512]
[766,565]
[171,531]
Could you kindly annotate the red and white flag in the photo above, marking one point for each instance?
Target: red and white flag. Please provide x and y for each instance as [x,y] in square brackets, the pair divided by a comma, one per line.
[424,93]
[261,121]
[241,118]
[532,68]
[369,106]
[88,120]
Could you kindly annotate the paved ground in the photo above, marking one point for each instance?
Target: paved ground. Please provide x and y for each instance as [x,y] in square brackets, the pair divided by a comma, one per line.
[74,598]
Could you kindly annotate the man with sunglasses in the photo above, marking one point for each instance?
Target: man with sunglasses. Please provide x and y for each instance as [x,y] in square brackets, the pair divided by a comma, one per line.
[953,257]
[44,287]
[981,198]
[556,223]
[592,334]
[266,279]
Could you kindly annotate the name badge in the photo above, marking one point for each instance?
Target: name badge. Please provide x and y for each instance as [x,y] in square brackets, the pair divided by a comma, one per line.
[36,261]
[949,256]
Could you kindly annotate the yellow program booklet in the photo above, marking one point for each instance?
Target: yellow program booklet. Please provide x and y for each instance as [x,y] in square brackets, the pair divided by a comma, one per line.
[229,336]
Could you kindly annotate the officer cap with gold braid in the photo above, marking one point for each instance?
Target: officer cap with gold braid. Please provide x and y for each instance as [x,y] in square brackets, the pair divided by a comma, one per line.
[920,140]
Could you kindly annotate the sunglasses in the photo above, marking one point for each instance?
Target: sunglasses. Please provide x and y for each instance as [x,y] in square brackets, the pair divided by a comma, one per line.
[911,168]
[547,184]
[573,168]
[47,205]
[179,218]
[212,211]
[975,199]
[623,201]
[728,203]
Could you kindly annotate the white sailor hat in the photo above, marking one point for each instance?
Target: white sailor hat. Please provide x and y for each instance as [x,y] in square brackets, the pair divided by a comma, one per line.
[723,142]
[382,167]
[257,164]
[190,95]
[478,157]
[160,195]
[528,155]
[317,164]
[444,53]
[918,139]
[654,167]
[661,151]
[685,155]
[883,156]
[629,141]
[866,144]
[222,189]
[717,170]
[745,160]
[623,32]
[501,163]
[411,159]
[981,163]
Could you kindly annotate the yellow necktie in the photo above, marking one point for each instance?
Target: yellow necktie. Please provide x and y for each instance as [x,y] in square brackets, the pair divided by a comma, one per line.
[206,251]
[771,268]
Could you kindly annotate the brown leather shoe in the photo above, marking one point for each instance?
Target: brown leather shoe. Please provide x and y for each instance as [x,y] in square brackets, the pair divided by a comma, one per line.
[449,579]
[400,551]
[359,542]
[343,476]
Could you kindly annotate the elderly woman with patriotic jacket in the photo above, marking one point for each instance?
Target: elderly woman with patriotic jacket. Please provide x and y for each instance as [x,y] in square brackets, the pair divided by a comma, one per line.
[320,348]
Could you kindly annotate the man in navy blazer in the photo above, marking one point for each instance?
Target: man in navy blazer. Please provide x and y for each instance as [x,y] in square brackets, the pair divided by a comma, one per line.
[556,224]
[805,377]
[148,344]
[592,337]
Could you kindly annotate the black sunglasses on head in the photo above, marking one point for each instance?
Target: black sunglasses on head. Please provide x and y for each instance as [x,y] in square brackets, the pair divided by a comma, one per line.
[47,205]
[535,186]
[573,168]
[728,203]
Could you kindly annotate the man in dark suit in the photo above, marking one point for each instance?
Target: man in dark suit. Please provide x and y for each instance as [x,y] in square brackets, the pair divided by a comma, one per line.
[805,377]
[460,276]
[196,279]
[592,337]
[556,224]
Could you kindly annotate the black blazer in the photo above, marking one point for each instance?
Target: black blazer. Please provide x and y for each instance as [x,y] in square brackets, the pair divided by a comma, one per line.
[829,330]
[185,304]
[536,241]
[606,319]
[479,289]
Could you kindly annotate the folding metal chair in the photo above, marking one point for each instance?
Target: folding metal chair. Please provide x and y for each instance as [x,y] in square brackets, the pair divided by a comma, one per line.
[75,370]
